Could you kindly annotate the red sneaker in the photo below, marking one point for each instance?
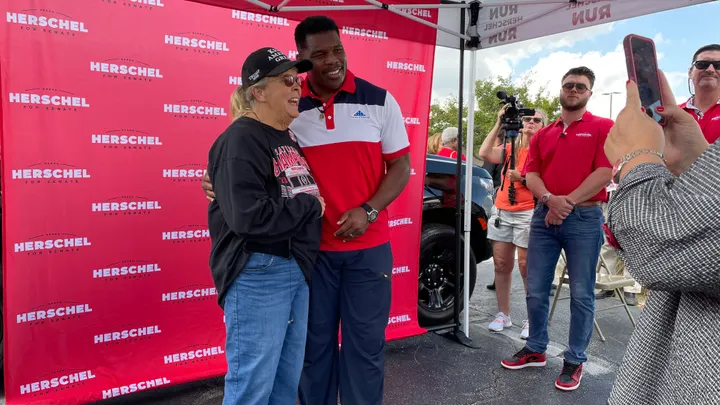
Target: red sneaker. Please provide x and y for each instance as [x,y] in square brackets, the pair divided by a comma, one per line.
[525,358]
[569,378]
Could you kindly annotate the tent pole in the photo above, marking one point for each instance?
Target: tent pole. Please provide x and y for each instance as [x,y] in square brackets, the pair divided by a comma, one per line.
[468,190]
[458,184]
[462,234]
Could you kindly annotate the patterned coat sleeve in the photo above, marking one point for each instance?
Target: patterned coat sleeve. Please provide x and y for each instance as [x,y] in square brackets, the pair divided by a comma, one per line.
[668,227]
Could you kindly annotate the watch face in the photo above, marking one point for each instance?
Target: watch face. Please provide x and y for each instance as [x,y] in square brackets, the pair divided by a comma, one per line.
[372,216]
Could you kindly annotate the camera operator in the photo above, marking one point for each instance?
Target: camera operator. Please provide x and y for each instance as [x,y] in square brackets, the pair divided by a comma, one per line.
[567,170]
[665,223]
[509,223]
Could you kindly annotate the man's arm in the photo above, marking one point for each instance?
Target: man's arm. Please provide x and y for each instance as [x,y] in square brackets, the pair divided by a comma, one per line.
[667,226]
[592,185]
[559,206]
[397,177]
[395,150]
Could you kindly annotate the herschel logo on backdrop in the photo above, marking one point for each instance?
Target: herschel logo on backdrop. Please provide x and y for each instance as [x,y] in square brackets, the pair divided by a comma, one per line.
[364,32]
[135,387]
[196,42]
[126,69]
[54,312]
[195,109]
[194,354]
[48,99]
[260,20]
[57,381]
[126,270]
[190,172]
[47,21]
[190,293]
[126,139]
[187,234]
[406,66]
[127,334]
[136,4]
[126,206]
[52,243]
[50,173]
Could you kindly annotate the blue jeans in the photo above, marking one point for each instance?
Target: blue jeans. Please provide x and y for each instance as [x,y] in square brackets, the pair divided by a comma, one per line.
[581,236]
[266,314]
[351,293]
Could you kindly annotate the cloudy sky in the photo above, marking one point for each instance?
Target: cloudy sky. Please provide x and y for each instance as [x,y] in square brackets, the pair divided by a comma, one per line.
[677,34]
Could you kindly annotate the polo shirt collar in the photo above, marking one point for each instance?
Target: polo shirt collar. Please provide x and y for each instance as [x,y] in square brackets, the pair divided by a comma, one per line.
[690,105]
[348,86]
[586,117]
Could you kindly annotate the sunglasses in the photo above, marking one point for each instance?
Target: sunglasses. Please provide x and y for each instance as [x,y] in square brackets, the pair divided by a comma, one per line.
[704,64]
[581,88]
[536,120]
[290,80]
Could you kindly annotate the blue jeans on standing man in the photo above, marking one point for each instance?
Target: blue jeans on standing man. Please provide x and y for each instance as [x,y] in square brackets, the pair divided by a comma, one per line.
[581,236]
[266,315]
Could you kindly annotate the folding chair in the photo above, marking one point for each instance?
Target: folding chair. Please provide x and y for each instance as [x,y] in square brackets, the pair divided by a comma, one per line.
[604,282]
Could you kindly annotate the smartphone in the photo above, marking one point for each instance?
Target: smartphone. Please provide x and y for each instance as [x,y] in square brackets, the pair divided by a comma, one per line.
[642,67]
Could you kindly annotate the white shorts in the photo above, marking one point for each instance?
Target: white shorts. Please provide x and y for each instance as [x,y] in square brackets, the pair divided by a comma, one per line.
[514,226]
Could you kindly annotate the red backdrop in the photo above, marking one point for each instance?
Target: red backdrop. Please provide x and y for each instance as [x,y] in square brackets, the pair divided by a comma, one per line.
[107,289]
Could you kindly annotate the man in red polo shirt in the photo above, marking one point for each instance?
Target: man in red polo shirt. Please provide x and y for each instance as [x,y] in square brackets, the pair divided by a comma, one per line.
[567,171]
[705,104]
[450,143]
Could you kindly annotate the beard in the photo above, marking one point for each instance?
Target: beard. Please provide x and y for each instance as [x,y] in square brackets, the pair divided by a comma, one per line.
[573,105]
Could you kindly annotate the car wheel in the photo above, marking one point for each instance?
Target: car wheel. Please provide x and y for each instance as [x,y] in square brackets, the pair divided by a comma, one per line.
[436,278]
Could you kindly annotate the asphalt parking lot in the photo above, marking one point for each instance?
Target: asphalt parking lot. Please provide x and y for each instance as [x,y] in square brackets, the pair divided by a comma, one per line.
[433,370]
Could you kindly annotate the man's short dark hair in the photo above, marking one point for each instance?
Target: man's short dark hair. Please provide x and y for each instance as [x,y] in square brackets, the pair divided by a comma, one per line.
[313,25]
[706,48]
[581,71]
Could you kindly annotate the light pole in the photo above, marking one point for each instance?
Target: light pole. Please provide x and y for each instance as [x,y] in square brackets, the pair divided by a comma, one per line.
[611,97]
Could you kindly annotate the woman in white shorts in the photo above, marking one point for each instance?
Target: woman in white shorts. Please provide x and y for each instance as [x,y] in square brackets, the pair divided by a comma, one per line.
[509,223]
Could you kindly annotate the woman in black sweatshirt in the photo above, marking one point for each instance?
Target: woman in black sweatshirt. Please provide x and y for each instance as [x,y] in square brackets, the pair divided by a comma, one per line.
[265,226]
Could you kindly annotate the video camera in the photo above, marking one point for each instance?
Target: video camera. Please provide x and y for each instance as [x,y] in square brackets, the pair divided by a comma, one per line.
[511,119]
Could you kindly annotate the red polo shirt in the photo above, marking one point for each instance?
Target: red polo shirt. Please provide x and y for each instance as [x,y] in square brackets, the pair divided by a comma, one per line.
[565,157]
[447,152]
[709,120]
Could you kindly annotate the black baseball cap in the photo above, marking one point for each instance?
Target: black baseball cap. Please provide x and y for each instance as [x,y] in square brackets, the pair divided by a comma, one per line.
[269,62]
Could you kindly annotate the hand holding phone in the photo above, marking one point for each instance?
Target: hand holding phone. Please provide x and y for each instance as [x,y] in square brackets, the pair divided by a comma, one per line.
[642,67]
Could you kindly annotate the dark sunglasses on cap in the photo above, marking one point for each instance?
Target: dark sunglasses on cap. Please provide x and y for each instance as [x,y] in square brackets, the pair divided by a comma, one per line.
[536,120]
[704,64]
[581,87]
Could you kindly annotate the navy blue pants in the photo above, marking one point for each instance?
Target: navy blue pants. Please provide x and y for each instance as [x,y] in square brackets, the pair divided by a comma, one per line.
[350,290]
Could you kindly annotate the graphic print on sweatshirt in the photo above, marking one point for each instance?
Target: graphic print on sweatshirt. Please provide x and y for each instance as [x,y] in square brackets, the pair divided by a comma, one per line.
[293,172]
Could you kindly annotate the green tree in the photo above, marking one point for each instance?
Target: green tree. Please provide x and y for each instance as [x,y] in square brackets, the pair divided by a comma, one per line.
[487,105]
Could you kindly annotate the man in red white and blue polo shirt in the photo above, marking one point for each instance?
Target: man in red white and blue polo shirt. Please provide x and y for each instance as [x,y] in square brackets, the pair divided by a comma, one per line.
[349,130]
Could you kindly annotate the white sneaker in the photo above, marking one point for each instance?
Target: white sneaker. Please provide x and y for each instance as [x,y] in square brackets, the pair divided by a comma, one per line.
[525,330]
[501,321]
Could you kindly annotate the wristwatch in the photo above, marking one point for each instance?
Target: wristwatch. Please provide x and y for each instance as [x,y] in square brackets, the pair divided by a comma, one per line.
[372,213]
[544,199]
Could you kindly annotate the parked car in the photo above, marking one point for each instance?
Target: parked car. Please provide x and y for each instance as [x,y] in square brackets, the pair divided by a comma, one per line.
[438,248]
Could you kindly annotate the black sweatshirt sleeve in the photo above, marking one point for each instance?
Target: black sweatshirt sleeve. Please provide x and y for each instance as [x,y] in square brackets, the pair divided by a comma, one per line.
[239,183]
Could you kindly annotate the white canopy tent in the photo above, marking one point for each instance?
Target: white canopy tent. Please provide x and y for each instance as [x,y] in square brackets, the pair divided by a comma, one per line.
[489,24]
